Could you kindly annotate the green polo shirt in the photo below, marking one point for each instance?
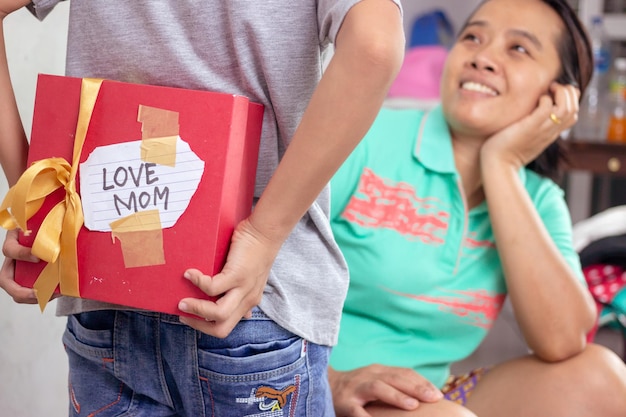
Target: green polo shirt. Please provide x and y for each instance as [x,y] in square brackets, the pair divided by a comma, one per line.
[426,282]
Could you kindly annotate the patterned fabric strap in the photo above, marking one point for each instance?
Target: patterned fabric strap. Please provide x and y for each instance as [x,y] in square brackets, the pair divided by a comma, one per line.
[458,388]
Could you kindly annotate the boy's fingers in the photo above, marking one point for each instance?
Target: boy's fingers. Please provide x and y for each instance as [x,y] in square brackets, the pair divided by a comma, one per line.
[19,294]
[202,281]
[12,249]
[220,329]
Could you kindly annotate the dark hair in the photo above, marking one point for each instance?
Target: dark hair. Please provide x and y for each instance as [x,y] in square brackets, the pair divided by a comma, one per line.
[576,58]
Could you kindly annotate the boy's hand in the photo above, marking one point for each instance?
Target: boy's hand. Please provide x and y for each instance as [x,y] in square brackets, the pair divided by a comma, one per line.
[239,285]
[12,250]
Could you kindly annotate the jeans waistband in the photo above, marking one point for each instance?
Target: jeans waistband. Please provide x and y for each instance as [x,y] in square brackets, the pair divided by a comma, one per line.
[257,314]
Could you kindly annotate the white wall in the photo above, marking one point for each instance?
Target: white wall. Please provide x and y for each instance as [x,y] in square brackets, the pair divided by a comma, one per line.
[33,365]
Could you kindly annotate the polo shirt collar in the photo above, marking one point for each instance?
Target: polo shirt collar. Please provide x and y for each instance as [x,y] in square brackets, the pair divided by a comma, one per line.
[433,148]
[433,144]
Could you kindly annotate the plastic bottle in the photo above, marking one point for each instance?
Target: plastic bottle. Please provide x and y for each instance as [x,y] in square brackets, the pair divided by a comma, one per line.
[593,114]
[616,131]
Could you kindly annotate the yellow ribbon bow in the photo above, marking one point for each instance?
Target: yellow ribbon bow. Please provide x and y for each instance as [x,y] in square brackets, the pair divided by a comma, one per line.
[55,242]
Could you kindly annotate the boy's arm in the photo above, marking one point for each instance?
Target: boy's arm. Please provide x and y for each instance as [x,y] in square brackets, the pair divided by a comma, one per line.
[13,153]
[13,143]
[368,53]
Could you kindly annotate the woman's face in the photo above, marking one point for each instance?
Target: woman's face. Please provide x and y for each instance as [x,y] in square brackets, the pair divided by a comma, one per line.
[503,61]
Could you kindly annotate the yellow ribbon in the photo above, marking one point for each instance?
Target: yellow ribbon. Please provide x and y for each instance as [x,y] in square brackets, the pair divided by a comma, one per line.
[55,242]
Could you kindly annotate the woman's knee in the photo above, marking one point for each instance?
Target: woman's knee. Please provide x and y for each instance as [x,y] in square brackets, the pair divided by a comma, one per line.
[602,375]
[441,408]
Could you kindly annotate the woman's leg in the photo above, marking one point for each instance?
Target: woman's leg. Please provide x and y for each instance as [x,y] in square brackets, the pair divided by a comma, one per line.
[592,383]
[442,408]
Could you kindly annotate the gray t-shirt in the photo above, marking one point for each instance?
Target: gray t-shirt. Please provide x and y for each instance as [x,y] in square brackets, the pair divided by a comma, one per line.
[270,51]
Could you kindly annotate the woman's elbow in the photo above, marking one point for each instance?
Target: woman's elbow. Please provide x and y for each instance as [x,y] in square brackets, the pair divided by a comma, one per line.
[558,349]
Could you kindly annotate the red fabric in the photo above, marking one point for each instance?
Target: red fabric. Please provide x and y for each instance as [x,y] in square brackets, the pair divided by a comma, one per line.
[604,282]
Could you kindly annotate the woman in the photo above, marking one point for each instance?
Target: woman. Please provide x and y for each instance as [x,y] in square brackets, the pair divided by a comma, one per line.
[441,214]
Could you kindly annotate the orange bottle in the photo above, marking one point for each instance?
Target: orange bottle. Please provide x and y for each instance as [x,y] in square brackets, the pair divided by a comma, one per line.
[616,130]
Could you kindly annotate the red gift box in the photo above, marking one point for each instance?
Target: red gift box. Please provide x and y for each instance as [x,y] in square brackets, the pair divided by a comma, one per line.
[177,164]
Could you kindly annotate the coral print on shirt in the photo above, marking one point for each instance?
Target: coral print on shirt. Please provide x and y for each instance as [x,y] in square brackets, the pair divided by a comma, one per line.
[478,308]
[474,247]
[379,203]
[472,242]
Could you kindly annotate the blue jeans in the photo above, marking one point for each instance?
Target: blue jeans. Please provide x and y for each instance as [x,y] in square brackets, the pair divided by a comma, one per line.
[150,365]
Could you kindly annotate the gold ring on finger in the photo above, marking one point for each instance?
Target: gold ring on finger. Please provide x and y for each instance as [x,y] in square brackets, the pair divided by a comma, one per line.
[555,119]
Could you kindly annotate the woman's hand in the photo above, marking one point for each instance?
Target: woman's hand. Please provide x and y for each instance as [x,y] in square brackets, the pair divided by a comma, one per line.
[239,285]
[12,250]
[521,142]
[532,241]
[399,387]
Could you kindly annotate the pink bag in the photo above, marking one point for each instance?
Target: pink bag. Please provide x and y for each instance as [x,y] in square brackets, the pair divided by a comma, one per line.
[420,73]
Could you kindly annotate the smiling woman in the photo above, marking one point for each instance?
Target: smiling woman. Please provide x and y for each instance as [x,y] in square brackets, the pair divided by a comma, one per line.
[443,214]
[490,66]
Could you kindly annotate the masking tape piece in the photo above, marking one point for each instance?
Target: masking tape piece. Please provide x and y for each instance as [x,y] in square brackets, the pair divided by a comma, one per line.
[157,123]
[141,238]
[159,131]
[161,151]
